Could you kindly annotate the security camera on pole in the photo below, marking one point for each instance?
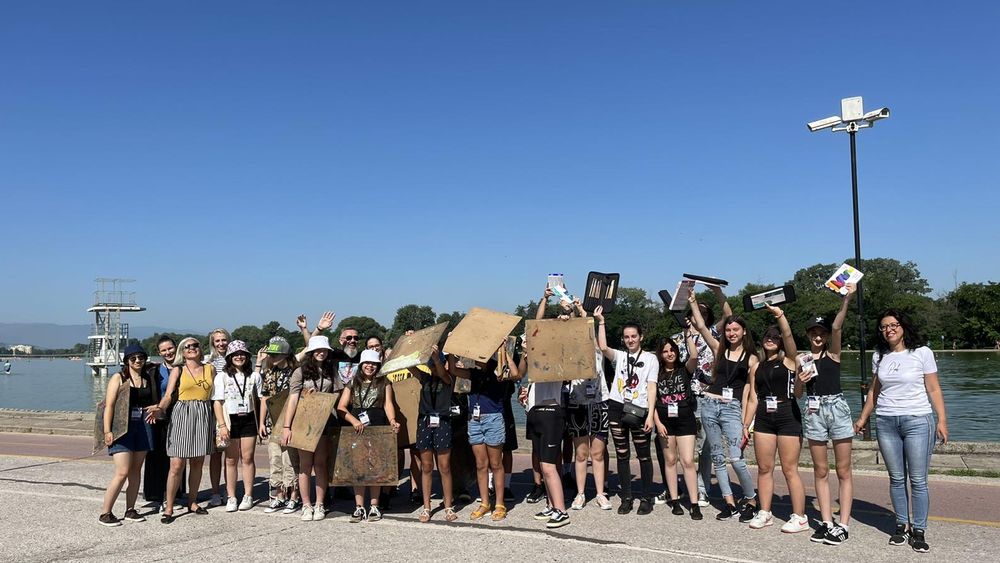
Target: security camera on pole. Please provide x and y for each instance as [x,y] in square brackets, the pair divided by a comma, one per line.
[852,118]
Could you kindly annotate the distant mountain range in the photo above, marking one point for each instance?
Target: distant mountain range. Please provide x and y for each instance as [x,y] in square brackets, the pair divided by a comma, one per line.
[47,335]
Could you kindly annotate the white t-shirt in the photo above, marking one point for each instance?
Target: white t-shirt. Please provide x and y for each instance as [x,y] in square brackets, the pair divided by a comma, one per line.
[227,388]
[544,393]
[901,375]
[578,387]
[643,370]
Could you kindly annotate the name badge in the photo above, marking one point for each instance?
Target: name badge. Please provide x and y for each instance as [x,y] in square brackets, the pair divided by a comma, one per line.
[813,403]
[363,417]
[727,394]
[242,408]
[433,421]
[771,403]
[135,413]
[456,410]
[591,391]
[475,413]
[672,409]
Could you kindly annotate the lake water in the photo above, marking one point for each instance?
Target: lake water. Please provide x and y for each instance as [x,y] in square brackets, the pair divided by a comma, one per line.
[970,380]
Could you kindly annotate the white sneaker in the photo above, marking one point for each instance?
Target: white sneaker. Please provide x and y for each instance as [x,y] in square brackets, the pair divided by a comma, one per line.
[319,512]
[761,520]
[216,500]
[579,502]
[703,500]
[602,502]
[292,506]
[231,504]
[246,503]
[796,524]
[307,513]
[275,505]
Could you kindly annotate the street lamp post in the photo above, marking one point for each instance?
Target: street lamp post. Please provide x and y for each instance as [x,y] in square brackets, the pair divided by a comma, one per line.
[852,118]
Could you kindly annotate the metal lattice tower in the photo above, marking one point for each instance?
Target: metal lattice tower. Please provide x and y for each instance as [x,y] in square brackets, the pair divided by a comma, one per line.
[108,334]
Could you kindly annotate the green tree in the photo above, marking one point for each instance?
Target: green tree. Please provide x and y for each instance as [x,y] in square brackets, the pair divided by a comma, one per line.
[411,317]
[978,311]
[366,327]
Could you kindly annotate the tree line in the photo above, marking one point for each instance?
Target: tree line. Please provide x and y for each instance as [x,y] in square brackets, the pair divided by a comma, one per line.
[966,317]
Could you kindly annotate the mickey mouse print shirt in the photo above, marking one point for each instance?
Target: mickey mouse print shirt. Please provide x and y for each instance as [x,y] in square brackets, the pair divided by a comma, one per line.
[632,373]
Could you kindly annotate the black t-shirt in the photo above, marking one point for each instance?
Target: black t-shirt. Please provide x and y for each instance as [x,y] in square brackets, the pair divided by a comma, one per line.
[487,391]
[435,396]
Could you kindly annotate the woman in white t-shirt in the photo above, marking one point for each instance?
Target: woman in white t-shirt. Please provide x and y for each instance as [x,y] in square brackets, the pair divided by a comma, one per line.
[905,389]
[629,414]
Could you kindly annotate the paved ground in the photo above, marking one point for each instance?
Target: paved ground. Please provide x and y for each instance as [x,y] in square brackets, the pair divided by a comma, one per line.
[49,501]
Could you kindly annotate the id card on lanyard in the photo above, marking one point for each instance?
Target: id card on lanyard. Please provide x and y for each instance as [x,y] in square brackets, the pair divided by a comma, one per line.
[672,410]
[813,404]
[771,403]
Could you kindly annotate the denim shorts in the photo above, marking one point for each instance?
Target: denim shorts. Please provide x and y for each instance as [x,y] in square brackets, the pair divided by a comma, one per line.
[489,429]
[832,422]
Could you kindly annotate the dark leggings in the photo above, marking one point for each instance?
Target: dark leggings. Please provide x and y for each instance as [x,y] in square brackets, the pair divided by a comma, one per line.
[620,435]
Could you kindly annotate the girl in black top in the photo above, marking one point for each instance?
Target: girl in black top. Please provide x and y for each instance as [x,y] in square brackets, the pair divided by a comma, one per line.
[675,421]
[828,417]
[773,393]
[434,434]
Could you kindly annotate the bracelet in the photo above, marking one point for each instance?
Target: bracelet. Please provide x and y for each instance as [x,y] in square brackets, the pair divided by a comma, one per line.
[288,427]
[600,324]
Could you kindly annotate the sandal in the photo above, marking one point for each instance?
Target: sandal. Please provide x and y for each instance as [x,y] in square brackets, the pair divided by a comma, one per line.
[425,515]
[499,513]
[478,513]
[449,514]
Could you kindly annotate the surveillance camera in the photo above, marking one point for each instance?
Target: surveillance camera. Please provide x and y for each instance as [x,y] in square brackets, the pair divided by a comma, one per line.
[823,123]
[880,113]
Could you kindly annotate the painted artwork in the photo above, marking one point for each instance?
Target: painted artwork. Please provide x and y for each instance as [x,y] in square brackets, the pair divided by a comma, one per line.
[368,458]
[119,419]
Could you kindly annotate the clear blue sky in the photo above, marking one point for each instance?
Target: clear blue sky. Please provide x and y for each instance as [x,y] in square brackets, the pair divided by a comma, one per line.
[247,161]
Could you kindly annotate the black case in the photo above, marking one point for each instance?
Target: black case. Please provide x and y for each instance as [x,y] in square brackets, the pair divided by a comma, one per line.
[679,316]
[601,289]
[783,294]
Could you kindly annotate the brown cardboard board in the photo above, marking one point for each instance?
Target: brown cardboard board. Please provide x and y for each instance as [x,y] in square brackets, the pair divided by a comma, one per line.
[414,349]
[368,458]
[119,419]
[276,413]
[407,396]
[480,334]
[559,350]
[311,414]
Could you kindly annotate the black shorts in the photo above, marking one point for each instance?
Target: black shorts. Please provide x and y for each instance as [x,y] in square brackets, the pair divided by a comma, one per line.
[684,424]
[242,425]
[578,421]
[437,439]
[546,424]
[786,421]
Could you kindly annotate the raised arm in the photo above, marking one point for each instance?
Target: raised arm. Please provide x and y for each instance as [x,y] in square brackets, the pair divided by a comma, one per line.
[787,340]
[602,337]
[699,325]
[837,329]
[692,350]
[540,312]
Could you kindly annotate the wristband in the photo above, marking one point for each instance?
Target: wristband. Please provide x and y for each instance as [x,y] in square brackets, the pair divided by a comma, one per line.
[287,427]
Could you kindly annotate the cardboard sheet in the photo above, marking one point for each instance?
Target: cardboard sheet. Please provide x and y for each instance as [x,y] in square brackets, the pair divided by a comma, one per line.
[407,396]
[311,414]
[559,350]
[119,418]
[276,412]
[414,349]
[480,334]
[368,458]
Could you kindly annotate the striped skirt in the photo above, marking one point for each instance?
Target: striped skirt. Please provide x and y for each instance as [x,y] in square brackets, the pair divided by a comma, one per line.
[192,430]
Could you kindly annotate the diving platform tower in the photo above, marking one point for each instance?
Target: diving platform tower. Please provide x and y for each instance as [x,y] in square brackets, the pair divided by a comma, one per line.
[108,334]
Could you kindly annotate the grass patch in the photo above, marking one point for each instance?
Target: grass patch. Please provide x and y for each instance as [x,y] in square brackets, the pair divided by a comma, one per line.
[968,473]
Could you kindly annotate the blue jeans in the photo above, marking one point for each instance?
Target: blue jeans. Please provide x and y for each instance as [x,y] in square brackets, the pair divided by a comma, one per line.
[722,419]
[906,443]
[703,453]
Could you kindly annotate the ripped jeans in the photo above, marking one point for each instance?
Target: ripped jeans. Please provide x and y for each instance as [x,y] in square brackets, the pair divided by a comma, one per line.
[725,420]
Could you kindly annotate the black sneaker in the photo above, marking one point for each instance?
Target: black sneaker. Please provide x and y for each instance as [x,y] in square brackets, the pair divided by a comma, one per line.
[748,509]
[133,516]
[545,514]
[645,507]
[675,507]
[558,519]
[508,495]
[900,537]
[820,533]
[626,506]
[835,536]
[696,511]
[537,493]
[109,520]
[359,515]
[728,512]
[918,543]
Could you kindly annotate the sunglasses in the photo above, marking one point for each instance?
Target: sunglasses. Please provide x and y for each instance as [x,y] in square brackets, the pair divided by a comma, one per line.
[194,346]
[137,357]
[351,338]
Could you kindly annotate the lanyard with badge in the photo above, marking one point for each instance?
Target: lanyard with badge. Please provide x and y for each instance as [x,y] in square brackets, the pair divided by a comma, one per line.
[812,401]
[241,404]
[135,413]
[727,392]
[630,367]
[771,400]
[673,407]
[363,400]
[434,419]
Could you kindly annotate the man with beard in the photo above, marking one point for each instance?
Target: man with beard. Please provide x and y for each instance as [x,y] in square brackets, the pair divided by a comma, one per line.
[347,359]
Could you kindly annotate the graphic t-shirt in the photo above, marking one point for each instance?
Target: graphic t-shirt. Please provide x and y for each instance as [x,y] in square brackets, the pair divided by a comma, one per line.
[632,373]
[674,387]
[901,375]
[237,390]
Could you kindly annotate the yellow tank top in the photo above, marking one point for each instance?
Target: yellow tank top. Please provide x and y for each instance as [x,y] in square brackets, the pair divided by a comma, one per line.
[191,388]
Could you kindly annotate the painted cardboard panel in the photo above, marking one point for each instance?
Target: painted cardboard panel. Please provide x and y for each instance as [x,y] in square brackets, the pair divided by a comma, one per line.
[311,414]
[480,334]
[559,350]
[119,418]
[407,396]
[276,413]
[368,458]
[413,350]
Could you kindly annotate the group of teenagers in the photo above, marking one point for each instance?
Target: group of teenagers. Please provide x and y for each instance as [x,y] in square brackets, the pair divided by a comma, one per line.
[699,397]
